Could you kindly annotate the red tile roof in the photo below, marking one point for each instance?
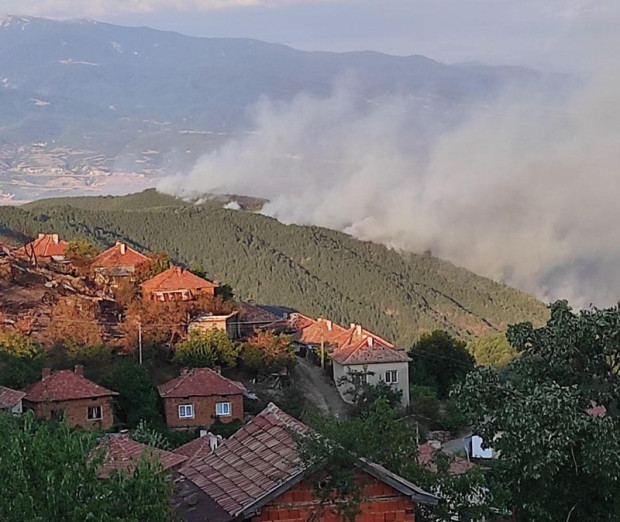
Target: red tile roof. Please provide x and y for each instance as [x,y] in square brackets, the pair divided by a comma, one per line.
[256,459]
[65,385]
[123,453]
[596,410]
[195,450]
[10,398]
[200,382]
[458,465]
[176,278]
[364,347]
[355,345]
[250,313]
[46,245]
[114,257]
[259,462]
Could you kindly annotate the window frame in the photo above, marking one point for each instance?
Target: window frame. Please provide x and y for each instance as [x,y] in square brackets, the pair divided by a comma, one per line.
[229,407]
[390,380]
[95,407]
[186,406]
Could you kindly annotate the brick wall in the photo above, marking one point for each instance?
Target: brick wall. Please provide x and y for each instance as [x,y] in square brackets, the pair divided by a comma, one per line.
[204,410]
[76,411]
[383,504]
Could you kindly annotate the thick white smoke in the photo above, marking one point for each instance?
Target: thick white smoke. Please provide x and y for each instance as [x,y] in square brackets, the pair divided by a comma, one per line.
[524,191]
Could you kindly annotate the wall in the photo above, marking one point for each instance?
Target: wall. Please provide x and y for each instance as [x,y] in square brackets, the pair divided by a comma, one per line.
[383,504]
[379,374]
[204,410]
[76,411]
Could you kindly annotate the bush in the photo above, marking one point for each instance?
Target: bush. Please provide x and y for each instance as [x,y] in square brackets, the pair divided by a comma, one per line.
[424,401]
[19,372]
[19,345]
[211,348]
[96,355]
[225,429]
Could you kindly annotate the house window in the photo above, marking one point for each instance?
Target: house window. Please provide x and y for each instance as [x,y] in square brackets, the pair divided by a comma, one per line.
[186,411]
[95,413]
[222,408]
[57,415]
[359,378]
[391,376]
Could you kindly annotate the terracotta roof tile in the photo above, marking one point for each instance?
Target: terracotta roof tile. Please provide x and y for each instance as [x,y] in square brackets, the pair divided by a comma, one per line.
[123,453]
[65,385]
[10,398]
[200,382]
[46,245]
[114,257]
[354,345]
[458,465]
[246,466]
[176,278]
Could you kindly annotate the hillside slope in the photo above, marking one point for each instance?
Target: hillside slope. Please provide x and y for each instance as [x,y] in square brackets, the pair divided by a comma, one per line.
[317,271]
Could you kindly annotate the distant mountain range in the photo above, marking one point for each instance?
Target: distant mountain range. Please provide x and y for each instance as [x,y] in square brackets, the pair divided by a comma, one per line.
[311,269]
[82,101]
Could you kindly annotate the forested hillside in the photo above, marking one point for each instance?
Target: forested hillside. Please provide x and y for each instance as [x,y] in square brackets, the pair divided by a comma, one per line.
[317,271]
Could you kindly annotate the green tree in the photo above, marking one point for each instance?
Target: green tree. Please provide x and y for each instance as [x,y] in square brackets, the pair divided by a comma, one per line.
[379,436]
[558,459]
[439,361]
[493,350]
[265,352]
[137,400]
[210,348]
[21,360]
[49,473]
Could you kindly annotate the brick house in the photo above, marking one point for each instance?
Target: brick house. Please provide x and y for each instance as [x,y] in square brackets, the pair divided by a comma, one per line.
[258,475]
[11,400]
[117,261]
[177,284]
[122,454]
[67,394]
[199,396]
[46,247]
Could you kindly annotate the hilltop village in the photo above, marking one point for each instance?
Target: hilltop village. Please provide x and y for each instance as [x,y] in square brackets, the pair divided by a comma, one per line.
[157,380]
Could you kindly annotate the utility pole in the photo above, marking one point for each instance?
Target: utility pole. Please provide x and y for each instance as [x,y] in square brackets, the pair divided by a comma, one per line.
[322,346]
[140,341]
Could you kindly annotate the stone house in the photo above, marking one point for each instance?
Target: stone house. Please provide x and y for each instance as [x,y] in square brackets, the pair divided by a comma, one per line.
[67,394]
[258,475]
[177,284]
[199,396]
[11,400]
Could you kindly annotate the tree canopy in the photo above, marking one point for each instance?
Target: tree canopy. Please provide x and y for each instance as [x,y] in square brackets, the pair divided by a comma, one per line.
[439,361]
[49,472]
[211,348]
[492,350]
[553,415]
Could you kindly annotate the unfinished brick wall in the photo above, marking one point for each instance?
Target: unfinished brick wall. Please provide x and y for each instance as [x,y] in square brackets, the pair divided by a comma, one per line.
[383,504]
[204,410]
[76,411]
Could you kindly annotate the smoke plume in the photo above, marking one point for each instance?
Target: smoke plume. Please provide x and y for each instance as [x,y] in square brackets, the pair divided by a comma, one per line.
[524,191]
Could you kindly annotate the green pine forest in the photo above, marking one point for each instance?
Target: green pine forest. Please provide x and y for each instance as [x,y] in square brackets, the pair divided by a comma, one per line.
[315,270]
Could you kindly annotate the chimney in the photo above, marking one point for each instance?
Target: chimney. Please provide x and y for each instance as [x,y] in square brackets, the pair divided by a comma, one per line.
[46,373]
[55,238]
[369,340]
[79,370]
[202,433]
[329,325]
[123,247]
[218,370]
[358,329]
[184,371]
[41,236]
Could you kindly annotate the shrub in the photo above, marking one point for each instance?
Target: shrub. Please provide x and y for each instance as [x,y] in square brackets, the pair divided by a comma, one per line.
[211,348]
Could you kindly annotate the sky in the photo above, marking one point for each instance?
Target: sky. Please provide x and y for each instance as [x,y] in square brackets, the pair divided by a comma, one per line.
[545,34]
